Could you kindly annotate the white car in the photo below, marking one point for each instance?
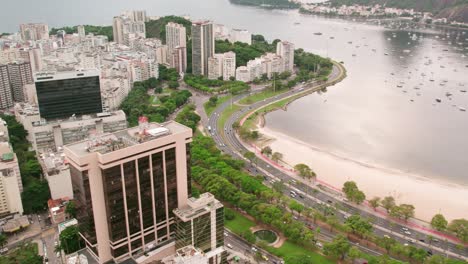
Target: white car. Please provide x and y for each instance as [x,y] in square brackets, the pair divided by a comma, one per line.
[254,249]
[226,234]
[408,233]
[229,246]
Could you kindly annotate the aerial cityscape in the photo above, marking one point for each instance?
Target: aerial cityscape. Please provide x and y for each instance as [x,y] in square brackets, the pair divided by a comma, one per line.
[234,131]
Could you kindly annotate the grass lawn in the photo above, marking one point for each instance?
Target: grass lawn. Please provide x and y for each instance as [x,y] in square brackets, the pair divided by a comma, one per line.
[230,110]
[239,224]
[260,96]
[291,249]
[209,108]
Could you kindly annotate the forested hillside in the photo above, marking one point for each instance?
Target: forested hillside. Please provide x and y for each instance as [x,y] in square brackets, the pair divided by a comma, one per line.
[455,10]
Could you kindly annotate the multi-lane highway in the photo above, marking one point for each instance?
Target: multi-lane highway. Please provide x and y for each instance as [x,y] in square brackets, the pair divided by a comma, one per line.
[226,139]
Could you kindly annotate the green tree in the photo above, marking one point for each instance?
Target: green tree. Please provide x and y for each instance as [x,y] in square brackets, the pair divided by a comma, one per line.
[236,125]
[35,195]
[70,240]
[213,100]
[460,228]
[267,151]
[296,207]
[388,202]
[276,156]
[71,209]
[439,222]
[354,253]
[353,193]
[250,156]
[3,240]
[374,202]
[304,171]
[338,248]
[407,211]
[359,225]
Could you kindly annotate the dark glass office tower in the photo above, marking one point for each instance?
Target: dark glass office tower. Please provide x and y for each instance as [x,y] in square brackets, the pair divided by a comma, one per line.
[64,94]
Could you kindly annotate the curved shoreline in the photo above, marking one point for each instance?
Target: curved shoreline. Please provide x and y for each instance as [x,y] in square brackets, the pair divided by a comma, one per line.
[445,189]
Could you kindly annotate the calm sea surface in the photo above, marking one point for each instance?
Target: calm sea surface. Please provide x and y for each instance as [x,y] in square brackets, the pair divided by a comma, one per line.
[385,112]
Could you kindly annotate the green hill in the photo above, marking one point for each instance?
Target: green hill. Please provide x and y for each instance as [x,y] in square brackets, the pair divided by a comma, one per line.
[455,10]
[281,4]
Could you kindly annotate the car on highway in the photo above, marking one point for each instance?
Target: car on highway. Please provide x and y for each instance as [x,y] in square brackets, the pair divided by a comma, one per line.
[404,229]
[408,233]
[254,249]
[229,246]
[265,258]
[226,234]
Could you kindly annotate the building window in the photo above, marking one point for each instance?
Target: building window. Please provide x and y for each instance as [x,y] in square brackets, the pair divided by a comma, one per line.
[171,179]
[131,191]
[145,192]
[159,190]
[112,181]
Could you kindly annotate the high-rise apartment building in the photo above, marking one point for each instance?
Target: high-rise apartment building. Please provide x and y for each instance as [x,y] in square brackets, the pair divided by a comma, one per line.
[222,65]
[285,49]
[215,66]
[81,32]
[175,35]
[125,28]
[34,31]
[203,46]
[136,15]
[20,74]
[66,94]
[33,56]
[229,65]
[176,41]
[179,59]
[10,178]
[201,224]
[6,96]
[127,185]
[240,35]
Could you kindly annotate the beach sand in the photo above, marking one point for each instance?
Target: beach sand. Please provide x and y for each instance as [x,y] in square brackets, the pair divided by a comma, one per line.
[427,195]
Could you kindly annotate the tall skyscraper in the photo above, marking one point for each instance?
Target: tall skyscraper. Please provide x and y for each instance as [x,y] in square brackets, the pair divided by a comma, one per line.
[285,49]
[125,27]
[176,41]
[175,35]
[6,96]
[65,94]
[20,74]
[127,185]
[203,46]
[34,31]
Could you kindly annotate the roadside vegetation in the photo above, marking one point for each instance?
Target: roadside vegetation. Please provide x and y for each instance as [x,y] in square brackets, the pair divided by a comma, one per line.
[139,102]
[35,189]
[206,85]
[96,30]
[24,254]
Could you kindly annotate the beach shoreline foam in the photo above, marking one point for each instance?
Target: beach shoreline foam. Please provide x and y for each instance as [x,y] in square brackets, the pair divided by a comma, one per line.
[429,196]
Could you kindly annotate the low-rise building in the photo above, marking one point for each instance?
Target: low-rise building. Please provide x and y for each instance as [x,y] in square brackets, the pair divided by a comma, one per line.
[200,224]
[49,136]
[57,174]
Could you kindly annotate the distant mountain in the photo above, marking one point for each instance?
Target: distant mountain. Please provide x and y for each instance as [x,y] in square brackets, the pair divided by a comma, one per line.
[454,10]
[282,4]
